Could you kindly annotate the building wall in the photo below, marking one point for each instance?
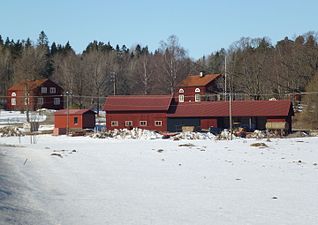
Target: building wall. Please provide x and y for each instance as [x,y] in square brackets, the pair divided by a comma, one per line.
[206,123]
[189,93]
[136,117]
[48,98]
[89,120]
[60,121]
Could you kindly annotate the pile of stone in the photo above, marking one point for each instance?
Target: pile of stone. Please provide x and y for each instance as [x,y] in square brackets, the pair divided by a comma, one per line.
[134,133]
[193,136]
[10,131]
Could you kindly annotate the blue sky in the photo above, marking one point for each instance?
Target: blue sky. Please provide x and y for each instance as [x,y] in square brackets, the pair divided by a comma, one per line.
[202,26]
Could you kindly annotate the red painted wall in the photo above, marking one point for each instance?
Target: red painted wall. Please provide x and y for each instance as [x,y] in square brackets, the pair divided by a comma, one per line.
[48,98]
[189,93]
[84,121]
[136,117]
[206,123]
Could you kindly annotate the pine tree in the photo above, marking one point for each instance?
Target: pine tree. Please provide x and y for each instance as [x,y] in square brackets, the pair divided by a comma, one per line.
[53,49]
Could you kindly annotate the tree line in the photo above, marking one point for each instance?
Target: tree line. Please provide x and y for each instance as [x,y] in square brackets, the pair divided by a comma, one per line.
[255,66]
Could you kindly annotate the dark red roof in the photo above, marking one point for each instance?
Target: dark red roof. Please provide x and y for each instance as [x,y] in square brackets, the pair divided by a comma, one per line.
[239,108]
[198,81]
[31,84]
[72,112]
[138,103]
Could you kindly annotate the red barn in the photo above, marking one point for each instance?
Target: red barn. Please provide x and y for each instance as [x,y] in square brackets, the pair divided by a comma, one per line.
[194,88]
[249,114]
[35,94]
[189,107]
[143,111]
[74,119]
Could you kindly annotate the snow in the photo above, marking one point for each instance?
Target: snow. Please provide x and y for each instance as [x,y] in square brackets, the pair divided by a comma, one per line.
[14,117]
[140,181]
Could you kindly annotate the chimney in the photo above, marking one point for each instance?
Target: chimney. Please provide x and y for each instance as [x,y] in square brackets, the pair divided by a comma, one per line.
[201,74]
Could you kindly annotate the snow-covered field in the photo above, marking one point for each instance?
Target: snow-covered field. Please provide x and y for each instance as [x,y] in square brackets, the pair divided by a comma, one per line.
[90,181]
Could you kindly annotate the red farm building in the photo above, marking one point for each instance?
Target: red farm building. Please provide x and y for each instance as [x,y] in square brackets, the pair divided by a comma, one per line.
[146,111]
[192,106]
[35,94]
[74,119]
[196,88]
[249,114]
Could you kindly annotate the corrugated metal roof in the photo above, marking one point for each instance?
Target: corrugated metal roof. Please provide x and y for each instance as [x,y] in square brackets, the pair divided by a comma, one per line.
[72,111]
[198,81]
[138,103]
[239,108]
[30,84]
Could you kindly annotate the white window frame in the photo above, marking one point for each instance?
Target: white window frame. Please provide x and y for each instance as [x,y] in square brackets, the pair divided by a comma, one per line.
[44,90]
[114,123]
[40,100]
[197,98]
[143,123]
[57,101]
[128,123]
[13,100]
[158,123]
[181,98]
[75,118]
[197,90]
[52,90]
[181,91]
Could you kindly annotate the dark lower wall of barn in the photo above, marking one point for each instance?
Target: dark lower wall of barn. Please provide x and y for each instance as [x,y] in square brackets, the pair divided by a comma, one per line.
[176,124]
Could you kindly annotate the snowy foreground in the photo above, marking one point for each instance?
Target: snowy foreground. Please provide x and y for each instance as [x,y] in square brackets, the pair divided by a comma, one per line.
[86,181]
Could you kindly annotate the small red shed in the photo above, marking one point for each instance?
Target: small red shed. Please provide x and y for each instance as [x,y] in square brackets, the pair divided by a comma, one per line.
[74,119]
[143,111]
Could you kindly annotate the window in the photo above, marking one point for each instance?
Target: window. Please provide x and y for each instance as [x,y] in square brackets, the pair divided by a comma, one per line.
[114,123]
[197,97]
[13,100]
[181,98]
[75,120]
[52,90]
[158,123]
[181,91]
[40,101]
[128,123]
[197,90]
[43,90]
[57,101]
[143,123]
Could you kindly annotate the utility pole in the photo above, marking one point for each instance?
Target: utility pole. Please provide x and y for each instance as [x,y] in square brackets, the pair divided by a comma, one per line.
[113,78]
[26,100]
[225,78]
[67,113]
[230,99]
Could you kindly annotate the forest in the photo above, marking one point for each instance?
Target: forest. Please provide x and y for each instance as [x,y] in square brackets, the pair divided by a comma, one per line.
[256,68]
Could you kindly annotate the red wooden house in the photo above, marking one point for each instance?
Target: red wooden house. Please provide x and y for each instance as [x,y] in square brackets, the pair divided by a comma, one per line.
[195,88]
[35,94]
[143,111]
[74,119]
